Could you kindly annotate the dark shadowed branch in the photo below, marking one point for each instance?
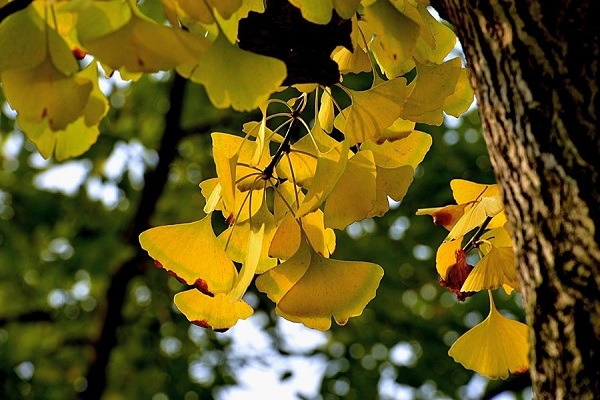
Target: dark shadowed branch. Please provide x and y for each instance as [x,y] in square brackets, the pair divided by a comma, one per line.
[13,7]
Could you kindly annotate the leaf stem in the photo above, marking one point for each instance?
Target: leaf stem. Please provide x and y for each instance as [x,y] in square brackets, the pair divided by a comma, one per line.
[284,147]
[475,238]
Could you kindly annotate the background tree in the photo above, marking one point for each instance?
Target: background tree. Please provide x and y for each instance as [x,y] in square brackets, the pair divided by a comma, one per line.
[535,74]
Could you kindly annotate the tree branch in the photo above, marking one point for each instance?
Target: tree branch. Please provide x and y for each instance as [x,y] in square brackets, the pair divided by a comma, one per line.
[155,182]
[32,316]
[13,7]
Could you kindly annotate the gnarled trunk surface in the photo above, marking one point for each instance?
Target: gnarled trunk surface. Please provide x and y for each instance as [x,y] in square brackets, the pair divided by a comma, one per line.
[534,68]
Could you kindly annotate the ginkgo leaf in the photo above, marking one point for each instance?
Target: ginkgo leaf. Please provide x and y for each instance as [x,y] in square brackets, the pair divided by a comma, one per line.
[353,61]
[433,84]
[400,129]
[99,18]
[391,183]
[410,150]
[44,93]
[254,250]
[237,237]
[330,167]
[288,198]
[446,216]
[326,111]
[311,289]
[446,256]
[228,23]
[219,313]
[242,209]
[492,271]
[465,191]
[143,45]
[462,98]
[261,138]
[495,347]
[286,240]
[300,164]
[226,157]
[192,253]
[395,40]
[499,237]
[22,40]
[436,40]
[372,111]
[235,77]
[486,207]
[202,11]
[354,194]
[321,239]
[320,11]
[79,135]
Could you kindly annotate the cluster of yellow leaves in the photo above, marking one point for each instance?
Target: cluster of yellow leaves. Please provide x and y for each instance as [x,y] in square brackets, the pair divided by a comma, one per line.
[55,90]
[282,206]
[282,215]
[498,345]
[59,103]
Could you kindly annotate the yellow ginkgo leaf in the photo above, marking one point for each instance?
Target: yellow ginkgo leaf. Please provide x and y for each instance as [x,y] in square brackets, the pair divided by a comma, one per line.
[22,40]
[462,98]
[395,40]
[372,111]
[446,257]
[495,269]
[143,45]
[192,253]
[288,198]
[330,167]
[326,111]
[320,11]
[410,150]
[354,194]
[235,77]
[99,18]
[499,237]
[400,129]
[286,240]
[311,289]
[44,93]
[495,347]
[465,191]
[436,40]
[320,238]
[240,161]
[486,207]
[446,216]
[219,313]
[353,61]
[237,237]
[390,183]
[226,159]
[433,84]
[79,135]
[254,250]
[202,11]
[300,164]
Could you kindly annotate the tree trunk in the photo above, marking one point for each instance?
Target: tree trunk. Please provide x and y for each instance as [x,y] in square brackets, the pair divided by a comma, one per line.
[534,68]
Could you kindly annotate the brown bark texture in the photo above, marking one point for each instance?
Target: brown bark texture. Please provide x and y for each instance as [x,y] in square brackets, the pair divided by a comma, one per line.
[534,68]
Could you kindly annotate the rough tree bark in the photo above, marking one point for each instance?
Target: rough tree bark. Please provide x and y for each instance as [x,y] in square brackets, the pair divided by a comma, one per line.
[534,69]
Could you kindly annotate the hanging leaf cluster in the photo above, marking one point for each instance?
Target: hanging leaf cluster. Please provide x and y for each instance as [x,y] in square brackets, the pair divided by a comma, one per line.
[325,156]
[498,345]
